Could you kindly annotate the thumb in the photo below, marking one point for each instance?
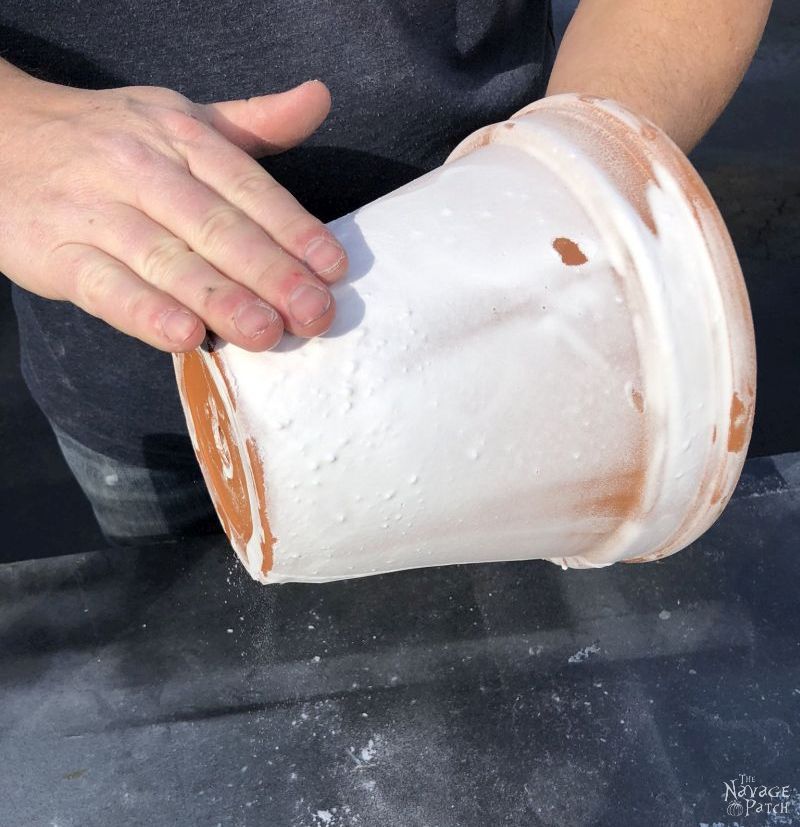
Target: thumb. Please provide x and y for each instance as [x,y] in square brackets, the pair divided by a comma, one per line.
[272,123]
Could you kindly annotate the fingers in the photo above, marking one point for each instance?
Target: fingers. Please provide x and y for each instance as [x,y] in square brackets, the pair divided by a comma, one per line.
[185,231]
[166,262]
[271,123]
[106,288]
[241,181]
[237,247]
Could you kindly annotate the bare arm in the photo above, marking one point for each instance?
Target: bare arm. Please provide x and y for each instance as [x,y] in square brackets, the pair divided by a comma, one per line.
[678,62]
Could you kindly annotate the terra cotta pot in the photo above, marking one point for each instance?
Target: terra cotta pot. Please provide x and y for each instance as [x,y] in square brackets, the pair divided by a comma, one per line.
[543,349]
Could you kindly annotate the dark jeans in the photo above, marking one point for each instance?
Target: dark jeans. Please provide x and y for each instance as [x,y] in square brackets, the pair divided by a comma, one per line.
[136,505]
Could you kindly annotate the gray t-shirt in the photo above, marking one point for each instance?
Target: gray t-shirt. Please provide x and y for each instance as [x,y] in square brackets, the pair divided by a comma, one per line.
[408,78]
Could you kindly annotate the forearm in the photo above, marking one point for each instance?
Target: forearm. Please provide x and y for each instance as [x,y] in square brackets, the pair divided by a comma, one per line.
[678,62]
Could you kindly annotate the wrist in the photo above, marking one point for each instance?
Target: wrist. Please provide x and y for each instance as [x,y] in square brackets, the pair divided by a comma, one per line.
[15,81]
[21,92]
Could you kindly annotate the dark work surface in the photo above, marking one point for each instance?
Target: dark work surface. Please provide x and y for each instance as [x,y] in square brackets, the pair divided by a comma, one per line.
[162,686]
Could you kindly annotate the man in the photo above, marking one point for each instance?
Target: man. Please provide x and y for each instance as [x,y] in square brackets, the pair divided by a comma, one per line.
[125,197]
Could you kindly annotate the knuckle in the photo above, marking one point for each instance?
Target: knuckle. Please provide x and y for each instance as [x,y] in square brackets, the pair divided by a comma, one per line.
[297,225]
[252,186]
[217,225]
[150,99]
[161,259]
[143,311]
[167,97]
[93,284]
[183,125]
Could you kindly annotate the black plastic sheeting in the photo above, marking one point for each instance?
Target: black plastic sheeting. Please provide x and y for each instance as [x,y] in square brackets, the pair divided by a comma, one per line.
[162,686]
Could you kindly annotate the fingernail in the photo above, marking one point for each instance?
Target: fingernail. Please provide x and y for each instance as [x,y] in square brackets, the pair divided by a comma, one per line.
[307,303]
[323,255]
[178,325]
[254,318]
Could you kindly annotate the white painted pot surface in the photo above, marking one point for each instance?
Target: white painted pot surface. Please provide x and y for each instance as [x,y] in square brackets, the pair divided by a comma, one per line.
[543,349]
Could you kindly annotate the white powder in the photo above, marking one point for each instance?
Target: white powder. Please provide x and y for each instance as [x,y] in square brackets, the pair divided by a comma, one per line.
[583,654]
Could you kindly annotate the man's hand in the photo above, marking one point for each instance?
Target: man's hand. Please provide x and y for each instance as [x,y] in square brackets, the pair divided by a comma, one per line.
[148,211]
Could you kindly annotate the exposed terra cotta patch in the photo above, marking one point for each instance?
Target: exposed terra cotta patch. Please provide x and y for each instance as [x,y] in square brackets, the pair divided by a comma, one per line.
[656,557]
[258,475]
[482,138]
[206,408]
[509,124]
[648,132]
[616,497]
[207,411]
[737,435]
[621,496]
[571,254]
[638,399]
